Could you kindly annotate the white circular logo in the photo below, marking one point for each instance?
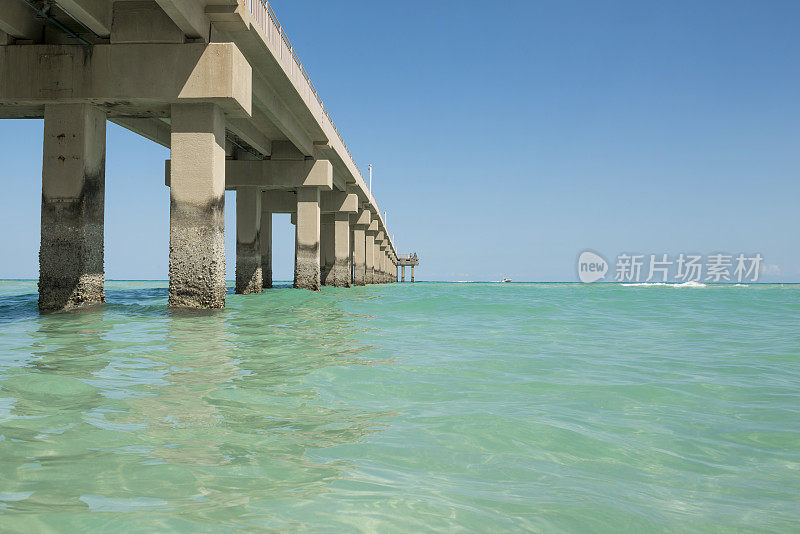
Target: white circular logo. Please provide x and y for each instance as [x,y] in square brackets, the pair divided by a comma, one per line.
[591,267]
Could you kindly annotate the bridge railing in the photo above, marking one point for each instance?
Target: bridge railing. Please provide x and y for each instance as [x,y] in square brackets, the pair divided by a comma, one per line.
[265,17]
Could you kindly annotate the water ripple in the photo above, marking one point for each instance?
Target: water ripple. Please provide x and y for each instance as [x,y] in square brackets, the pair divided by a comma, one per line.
[473,407]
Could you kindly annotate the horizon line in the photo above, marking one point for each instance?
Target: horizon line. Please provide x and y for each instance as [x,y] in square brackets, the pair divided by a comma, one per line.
[233,282]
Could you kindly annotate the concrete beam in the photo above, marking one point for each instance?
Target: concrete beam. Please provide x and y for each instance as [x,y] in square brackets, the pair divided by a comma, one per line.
[271,58]
[279,174]
[277,201]
[286,150]
[132,80]
[268,100]
[247,130]
[336,202]
[189,16]
[282,201]
[143,21]
[155,130]
[94,14]
[339,180]
[17,20]
[294,100]
[227,17]
[363,220]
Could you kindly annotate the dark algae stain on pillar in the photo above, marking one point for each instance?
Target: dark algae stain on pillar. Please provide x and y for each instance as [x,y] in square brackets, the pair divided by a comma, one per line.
[71,252]
[307,270]
[197,255]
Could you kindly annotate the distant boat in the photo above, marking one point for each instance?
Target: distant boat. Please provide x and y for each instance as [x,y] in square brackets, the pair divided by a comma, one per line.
[506,279]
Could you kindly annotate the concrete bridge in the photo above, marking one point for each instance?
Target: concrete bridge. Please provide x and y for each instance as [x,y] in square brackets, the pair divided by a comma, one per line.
[220,85]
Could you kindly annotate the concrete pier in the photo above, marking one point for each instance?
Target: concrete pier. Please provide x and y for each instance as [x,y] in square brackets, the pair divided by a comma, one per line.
[307,246]
[220,86]
[249,274]
[407,260]
[73,196]
[197,207]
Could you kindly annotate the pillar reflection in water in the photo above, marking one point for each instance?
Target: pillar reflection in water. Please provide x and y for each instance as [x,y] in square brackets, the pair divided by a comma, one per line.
[210,412]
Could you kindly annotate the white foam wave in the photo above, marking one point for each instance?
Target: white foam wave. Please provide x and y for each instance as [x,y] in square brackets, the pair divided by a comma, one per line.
[690,283]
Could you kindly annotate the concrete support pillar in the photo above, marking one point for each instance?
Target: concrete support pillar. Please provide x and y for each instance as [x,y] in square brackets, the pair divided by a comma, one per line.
[73,198]
[249,276]
[402,273]
[382,263]
[359,256]
[293,220]
[307,248]
[341,265]
[197,207]
[360,229]
[352,271]
[369,265]
[412,273]
[266,246]
[376,254]
[326,247]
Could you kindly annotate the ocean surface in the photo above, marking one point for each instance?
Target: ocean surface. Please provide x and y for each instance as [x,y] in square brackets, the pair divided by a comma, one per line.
[404,408]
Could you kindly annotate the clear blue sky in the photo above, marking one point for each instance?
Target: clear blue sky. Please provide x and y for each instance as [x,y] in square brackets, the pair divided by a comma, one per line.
[509,136]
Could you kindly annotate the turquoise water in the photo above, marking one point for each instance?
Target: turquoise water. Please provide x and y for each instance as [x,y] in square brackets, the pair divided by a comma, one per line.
[404,408]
